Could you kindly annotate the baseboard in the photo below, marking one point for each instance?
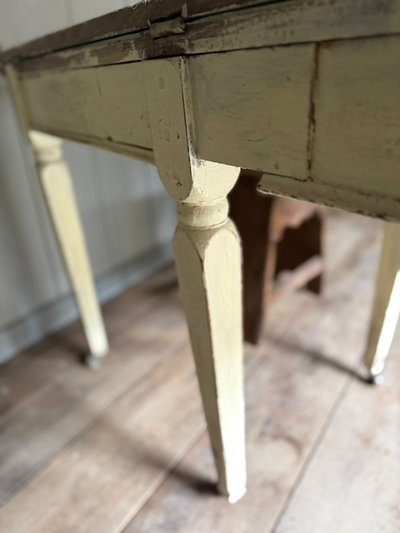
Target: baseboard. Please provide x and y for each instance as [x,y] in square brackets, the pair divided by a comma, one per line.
[47,319]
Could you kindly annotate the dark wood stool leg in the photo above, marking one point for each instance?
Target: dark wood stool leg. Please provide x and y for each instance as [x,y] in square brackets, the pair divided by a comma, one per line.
[292,233]
[251,214]
[301,244]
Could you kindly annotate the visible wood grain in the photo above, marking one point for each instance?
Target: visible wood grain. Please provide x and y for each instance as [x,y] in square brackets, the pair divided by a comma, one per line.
[33,281]
[289,399]
[70,101]
[111,469]
[44,407]
[357,137]
[251,214]
[352,483]
[120,315]
[278,234]
[124,438]
[186,177]
[208,256]
[126,20]
[202,211]
[296,108]
[167,116]
[56,182]
[208,267]
[251,108]
[84,103]
[233,26]
[119,441]
[386,307]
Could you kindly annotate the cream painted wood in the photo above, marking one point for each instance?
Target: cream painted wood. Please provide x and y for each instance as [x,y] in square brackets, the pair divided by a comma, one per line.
[354,156]
[385,207]
[82,104]
[306,114]
[132,205]
[386,306]
[127,216]
[136,198]
[44,16]
[300,121]
[356,107]
[208,261]
[162,113]
[57,187]
[267,92]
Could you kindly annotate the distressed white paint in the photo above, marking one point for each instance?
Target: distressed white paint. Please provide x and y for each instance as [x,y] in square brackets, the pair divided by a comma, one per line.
[55,179]
[273,24]
[83,103]
[207,247]
[357,105]
[116,197]
[386,307]
[269,96]
[208,262]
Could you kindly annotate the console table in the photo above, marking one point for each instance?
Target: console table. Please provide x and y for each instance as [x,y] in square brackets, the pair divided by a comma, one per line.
[306,92]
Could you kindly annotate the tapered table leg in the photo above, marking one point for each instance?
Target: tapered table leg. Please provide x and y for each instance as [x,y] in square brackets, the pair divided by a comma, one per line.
[386,306]
[208,261]
[57,187]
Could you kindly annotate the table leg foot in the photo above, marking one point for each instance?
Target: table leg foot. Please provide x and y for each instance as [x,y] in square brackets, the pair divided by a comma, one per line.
[94,362]
[208,261]
[374,379]
[386,306]
[56,183]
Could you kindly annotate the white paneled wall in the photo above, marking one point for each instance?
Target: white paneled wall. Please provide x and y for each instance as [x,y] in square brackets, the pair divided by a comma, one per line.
[127,217]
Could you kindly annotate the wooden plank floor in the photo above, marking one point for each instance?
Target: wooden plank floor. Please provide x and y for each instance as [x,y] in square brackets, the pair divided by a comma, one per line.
[125,448]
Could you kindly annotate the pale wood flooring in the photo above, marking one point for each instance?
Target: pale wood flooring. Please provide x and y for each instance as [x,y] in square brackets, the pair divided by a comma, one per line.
[125,448]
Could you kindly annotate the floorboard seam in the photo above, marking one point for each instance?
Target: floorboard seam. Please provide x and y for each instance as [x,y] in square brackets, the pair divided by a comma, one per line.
[314,448]
[75,438]
[251,372]
[167,473]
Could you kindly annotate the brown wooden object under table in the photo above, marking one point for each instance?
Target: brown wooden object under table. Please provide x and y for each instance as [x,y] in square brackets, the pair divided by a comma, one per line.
[304,91]
[292,231]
